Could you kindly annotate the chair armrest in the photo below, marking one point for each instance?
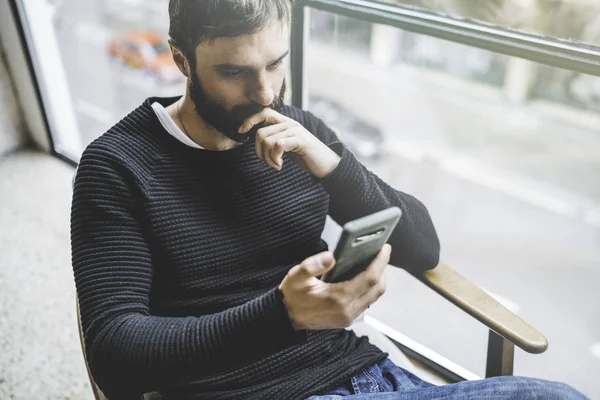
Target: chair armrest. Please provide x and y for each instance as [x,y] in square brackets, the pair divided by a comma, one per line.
[480,305]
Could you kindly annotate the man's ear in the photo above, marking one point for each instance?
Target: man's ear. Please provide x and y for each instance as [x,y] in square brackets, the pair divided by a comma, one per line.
[179,58]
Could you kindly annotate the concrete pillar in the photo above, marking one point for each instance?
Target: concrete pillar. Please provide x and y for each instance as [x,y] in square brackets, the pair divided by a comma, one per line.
[386,42]
[520,77]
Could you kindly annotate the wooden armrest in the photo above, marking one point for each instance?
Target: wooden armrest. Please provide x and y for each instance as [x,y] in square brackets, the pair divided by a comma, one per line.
[480,305]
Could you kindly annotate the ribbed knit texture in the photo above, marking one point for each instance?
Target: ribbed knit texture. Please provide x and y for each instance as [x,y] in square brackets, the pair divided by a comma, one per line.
[178,252]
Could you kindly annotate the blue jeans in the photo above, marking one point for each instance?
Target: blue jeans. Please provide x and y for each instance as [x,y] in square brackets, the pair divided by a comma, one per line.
[386,381]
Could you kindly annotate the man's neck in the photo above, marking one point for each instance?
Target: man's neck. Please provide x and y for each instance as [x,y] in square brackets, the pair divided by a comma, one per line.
[187,119]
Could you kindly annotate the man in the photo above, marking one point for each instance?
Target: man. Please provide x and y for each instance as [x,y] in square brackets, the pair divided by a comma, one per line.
[196,235]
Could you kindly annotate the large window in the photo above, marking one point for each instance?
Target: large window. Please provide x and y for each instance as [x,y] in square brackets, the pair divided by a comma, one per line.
[505,153]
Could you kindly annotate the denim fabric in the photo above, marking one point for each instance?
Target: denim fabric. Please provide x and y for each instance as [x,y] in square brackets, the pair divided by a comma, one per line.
[386,381]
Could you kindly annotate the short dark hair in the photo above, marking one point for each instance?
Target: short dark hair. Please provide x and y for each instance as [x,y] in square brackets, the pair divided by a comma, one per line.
[195,21]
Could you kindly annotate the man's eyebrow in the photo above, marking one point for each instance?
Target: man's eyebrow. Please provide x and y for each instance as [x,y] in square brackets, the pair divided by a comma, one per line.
[248,67]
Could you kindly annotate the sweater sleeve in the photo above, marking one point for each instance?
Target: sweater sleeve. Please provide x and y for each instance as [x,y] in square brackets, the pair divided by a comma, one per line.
[355,192]
[130,351]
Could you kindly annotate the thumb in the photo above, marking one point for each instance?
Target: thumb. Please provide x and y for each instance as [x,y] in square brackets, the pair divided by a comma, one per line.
[318,264]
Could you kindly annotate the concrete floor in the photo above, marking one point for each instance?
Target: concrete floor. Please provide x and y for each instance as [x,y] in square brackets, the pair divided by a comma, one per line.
[40,355]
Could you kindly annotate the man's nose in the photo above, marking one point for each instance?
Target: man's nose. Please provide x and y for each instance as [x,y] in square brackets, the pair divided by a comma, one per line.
[262,93]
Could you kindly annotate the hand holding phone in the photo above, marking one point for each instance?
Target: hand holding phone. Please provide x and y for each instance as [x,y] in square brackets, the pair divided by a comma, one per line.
[314,304]
[361,248]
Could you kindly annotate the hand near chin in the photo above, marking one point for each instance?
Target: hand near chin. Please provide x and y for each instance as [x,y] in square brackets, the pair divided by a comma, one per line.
[285,135]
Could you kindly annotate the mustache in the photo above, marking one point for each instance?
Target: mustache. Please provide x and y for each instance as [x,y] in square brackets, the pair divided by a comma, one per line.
[244,111]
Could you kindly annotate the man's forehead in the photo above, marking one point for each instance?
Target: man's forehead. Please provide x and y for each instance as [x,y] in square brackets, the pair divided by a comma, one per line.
[263,46]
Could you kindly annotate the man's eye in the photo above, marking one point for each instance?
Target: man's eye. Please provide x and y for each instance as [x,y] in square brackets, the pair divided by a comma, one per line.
[232,73]
[277,64]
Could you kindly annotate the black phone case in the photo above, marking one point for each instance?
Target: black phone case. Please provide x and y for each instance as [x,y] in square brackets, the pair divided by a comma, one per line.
[360,242]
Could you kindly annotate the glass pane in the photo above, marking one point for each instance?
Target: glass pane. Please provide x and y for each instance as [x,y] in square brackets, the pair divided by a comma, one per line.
[573,20]
[115,55]
[505,153]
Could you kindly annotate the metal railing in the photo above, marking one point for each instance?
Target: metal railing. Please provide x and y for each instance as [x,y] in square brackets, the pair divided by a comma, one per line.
[551,51]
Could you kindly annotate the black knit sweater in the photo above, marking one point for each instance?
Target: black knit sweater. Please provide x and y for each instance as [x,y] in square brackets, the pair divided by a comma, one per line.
[178,252]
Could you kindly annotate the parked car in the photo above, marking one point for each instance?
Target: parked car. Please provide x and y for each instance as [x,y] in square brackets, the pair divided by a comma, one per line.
[362,138]
[147,51]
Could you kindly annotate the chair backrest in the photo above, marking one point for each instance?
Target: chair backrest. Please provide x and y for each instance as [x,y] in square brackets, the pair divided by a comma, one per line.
[98,395]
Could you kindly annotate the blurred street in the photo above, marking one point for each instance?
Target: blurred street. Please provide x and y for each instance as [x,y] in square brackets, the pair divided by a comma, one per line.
[103,89]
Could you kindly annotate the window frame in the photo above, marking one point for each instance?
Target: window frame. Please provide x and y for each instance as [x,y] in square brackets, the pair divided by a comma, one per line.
[49,114]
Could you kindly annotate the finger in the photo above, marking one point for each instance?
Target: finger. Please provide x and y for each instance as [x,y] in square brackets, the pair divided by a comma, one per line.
[284,145]
[314,266]
[267,115]
[278,144]
[364,281]
[270,130]
[262,135]
[364,301]
[378,290]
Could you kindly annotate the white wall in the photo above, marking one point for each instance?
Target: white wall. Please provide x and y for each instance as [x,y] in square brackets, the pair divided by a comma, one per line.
[12,132]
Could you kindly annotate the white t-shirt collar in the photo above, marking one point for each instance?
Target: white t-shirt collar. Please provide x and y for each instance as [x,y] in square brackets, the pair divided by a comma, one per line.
[171,127]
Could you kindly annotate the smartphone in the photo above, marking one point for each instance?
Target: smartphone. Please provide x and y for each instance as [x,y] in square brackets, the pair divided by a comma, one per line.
[360,242]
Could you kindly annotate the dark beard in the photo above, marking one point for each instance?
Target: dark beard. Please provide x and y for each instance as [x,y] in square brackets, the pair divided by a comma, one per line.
[215,112]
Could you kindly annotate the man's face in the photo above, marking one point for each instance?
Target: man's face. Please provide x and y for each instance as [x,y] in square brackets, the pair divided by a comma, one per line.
[237,77]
